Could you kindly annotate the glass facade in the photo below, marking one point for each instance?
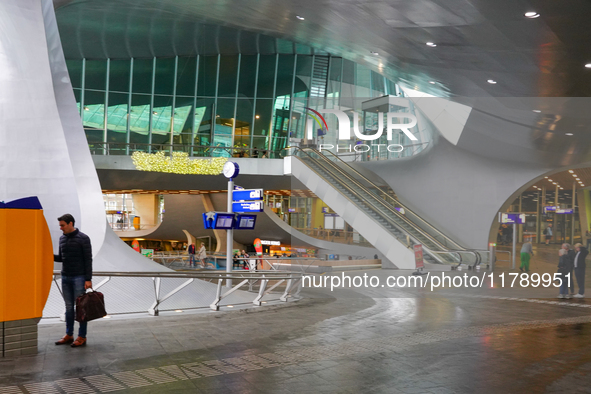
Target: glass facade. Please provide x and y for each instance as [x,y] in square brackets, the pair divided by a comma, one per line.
[217,105]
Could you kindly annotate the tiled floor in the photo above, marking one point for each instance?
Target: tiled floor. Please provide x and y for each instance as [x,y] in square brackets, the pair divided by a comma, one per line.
[379,340]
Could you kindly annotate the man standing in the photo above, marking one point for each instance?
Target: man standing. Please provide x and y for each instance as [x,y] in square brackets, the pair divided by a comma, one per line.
[526,250]
[548,233]
[76,255]
[581,253]
[191,252]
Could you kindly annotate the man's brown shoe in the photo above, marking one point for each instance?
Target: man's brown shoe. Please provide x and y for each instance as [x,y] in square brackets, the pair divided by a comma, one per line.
[79,342]
[65,340]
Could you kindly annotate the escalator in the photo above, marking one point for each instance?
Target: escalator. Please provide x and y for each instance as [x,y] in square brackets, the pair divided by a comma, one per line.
[383,209]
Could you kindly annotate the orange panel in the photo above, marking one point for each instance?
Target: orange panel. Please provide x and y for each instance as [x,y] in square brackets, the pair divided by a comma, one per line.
[26,263]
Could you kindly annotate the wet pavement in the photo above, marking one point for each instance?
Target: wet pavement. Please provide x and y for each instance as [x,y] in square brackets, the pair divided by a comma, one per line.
[489,339]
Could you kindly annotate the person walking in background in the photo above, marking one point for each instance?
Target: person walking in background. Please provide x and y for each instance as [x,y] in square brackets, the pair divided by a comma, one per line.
[526,253]
[565,266]
[191,251]
[580,265]
[588,238]
[75,253]
[548,233]
[202,254]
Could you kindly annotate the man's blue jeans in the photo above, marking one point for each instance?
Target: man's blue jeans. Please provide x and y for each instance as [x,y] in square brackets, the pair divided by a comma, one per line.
[72,287]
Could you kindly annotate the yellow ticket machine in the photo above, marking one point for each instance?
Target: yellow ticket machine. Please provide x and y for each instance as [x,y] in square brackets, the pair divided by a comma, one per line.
[26,270]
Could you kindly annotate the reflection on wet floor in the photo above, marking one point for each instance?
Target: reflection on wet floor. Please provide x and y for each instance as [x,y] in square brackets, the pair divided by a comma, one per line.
[383,340]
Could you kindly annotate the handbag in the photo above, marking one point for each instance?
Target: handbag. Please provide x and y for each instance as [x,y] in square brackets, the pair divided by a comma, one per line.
[90,306]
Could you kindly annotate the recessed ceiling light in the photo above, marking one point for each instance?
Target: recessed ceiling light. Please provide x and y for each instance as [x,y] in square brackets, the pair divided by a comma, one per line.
[374,53]
[568,133]
[531,14]
[257,116]
[300,17]
[588,65]
[491,81]
[571,171]
[546,177]
[536,110]
[431,44]
[432,82]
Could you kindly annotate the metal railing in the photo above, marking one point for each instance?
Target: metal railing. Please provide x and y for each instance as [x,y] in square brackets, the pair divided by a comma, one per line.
[384,211]
[126,149]
[292,287]
[338,236]
[335,171]
[450,243]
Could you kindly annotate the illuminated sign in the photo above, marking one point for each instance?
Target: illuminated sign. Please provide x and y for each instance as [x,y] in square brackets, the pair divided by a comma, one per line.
[510,218]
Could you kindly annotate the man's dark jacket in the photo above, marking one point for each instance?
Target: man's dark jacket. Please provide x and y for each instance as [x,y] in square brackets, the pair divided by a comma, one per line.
[75,253]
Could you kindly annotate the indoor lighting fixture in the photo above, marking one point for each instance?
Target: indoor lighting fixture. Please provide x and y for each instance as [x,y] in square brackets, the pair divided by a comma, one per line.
[432,82]
[536,110]
[575,175]
[571,171]
[568,133]
[531,14]
[554,183]
[374,53]
[578,179]
[106,317]
[582,185]
[86,109]
[300,17]
[178,310]
[492,81]
[155,113]
[257,116]
[546,177]
[549,180]
[431,44]
[230,306]
[588,65]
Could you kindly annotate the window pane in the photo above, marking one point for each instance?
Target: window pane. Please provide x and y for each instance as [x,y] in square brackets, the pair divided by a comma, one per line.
[377,84]
[119,76]
[142,75]
[223,126]
[93,116]
[207,76]
[96,74]
[203,115]
[248,65]
[228,73]
[334,79]
[139,119]
[161,118]
[303,72]
[186,76]
[243,122]
[285,75]
[266,76]
[164,76]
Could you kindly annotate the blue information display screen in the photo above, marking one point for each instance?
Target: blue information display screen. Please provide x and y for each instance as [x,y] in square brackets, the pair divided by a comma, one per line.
[246,222]
[224,221]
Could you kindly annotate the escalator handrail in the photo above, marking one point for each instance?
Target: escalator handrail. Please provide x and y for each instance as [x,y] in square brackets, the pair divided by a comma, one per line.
[396,201]
[389,208]
[377,209]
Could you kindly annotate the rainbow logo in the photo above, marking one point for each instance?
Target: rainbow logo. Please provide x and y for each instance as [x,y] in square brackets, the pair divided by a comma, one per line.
[320,131]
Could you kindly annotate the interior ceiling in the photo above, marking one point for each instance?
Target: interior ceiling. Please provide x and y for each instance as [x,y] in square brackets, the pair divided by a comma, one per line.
[476,40]
[283,192]
[564,180]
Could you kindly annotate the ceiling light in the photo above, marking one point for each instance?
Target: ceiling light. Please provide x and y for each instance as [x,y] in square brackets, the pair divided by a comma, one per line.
[575,175]
[178,310]
[86,109]
[492,81]
[374,53]
[230,306]
[546,177]
[155,113]
[582,185]
[549,180]
[571,171]
[432,82]
[300,17]
[578,179]
[554,183]
[531,14]
[431,44]
[257,116]
[588,65]
[568,133]
[536,110]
